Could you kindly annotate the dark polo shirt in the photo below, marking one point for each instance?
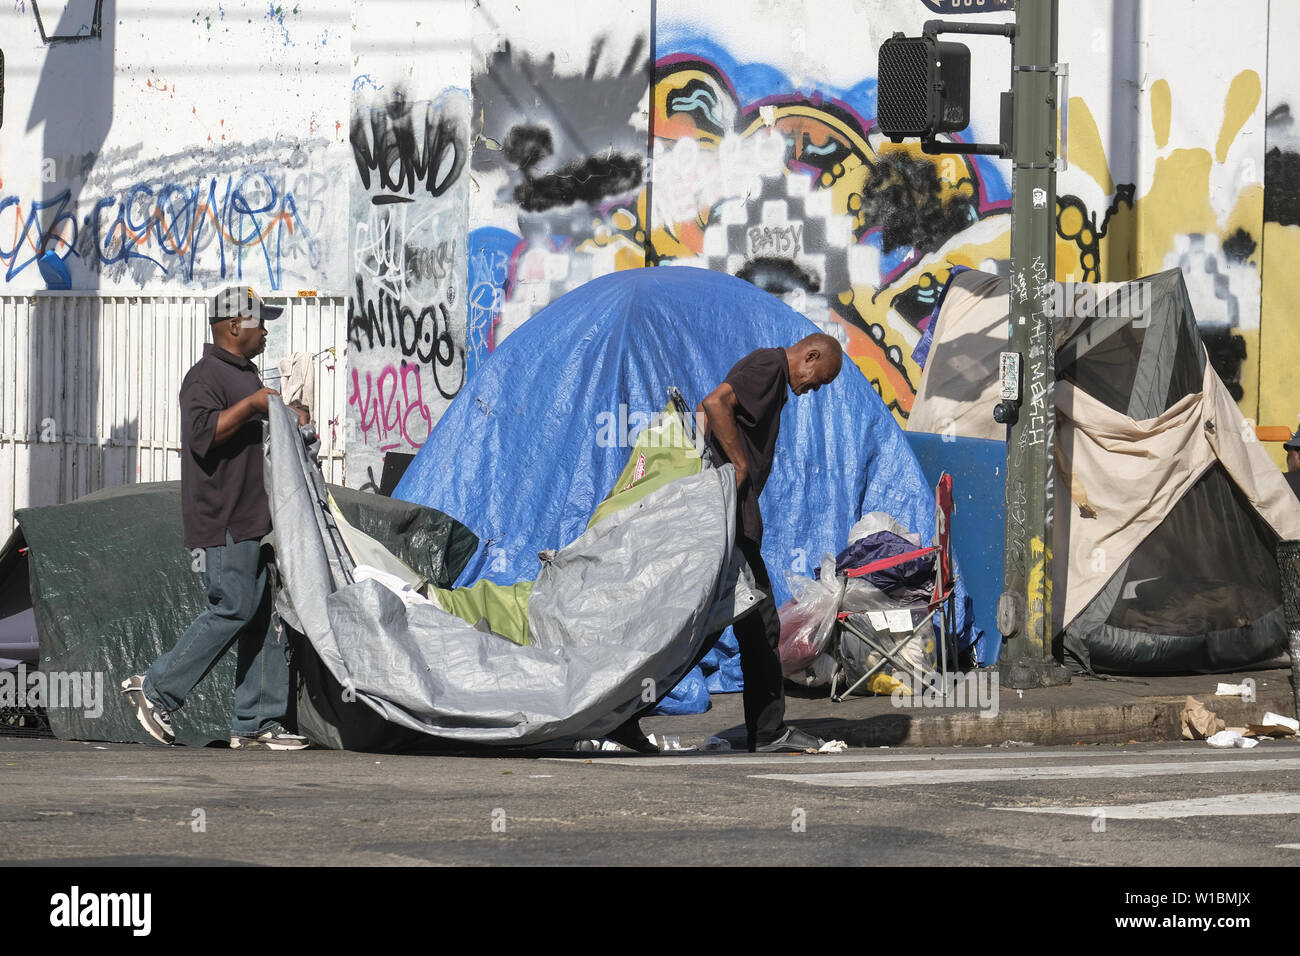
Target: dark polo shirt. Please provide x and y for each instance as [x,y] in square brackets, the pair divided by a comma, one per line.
[761,381]
[221,485]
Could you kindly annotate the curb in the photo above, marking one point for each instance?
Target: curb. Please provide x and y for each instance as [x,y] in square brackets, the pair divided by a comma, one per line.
[1151,719]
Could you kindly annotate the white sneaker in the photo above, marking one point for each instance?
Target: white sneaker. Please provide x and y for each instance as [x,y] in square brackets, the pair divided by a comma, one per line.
[273,737]
[156,721]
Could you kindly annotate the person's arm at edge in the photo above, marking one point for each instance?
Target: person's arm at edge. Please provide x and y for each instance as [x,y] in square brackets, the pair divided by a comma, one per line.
[720,407]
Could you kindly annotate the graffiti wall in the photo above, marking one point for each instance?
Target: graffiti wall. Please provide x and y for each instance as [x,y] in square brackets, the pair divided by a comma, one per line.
[406,338]
[716,142]
[1167,164]
[452,167]
[763,160]
[143,149]
[253,212]
[409,184]
[560,157]
[770,167]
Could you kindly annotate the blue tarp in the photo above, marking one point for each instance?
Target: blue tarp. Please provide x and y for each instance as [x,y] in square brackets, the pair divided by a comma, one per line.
[524,454]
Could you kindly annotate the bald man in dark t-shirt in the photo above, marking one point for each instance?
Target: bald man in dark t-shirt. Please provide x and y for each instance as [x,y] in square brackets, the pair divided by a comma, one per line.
[744,419]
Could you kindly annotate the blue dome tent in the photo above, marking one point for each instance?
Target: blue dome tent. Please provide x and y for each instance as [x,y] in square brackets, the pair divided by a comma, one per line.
[539,434]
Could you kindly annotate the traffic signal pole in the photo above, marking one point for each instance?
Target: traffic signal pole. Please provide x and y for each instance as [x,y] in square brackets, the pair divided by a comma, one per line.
[923,91]
[1025,608]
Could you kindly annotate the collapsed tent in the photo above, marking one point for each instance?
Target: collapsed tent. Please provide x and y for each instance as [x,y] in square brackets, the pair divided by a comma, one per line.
[624,608]
[526,450]
[1167,511]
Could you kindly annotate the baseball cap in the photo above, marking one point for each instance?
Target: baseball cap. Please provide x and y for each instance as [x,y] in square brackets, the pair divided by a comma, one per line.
[236,300]
[1293,443]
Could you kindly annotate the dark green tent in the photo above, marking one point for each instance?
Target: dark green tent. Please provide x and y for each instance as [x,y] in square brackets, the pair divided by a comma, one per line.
[113,586]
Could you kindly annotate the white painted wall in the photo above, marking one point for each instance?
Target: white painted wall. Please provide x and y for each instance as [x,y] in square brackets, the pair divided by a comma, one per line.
[179,150]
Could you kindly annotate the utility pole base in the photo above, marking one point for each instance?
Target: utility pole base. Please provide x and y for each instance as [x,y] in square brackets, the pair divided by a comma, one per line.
[1026,672]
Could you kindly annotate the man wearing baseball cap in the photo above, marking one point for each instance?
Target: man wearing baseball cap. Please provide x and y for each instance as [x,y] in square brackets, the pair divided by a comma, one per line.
[225,513]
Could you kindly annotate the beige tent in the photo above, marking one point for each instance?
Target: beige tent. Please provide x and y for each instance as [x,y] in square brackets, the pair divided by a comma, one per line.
[1167,509]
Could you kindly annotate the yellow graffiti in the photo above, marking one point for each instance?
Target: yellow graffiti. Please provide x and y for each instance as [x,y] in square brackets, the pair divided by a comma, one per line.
[1086,149]
[1279,332]
[1240,103]
[1141,232]
[1037,626]
[1161,111]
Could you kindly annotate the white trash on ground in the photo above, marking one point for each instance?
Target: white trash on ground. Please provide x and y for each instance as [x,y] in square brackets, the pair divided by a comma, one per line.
[1227,739]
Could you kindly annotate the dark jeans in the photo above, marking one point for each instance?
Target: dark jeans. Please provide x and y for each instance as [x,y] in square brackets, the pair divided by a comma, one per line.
[758,633]
[239,609]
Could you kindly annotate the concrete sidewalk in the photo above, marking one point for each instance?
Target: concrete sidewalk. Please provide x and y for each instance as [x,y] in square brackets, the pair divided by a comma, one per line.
[1085,711]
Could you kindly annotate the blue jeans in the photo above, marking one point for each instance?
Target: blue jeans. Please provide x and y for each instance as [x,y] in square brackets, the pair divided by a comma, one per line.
[239,609]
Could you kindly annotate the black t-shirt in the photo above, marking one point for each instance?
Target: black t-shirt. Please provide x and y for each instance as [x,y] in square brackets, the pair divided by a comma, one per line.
[221,485]
[761,381]
[1293,479]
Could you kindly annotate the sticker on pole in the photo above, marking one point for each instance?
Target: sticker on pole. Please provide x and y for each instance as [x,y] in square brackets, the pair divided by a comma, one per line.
[1040,198]
[1009,376]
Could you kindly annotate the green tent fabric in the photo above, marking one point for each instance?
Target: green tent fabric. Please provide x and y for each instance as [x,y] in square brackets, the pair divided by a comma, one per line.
[501,608]
[113,586]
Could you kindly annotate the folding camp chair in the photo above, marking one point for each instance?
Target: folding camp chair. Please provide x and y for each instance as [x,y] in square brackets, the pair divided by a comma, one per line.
[941,603]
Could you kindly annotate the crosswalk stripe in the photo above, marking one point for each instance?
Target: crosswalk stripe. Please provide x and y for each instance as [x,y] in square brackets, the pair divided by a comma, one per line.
[902,778]
[1228,805]
[910,755]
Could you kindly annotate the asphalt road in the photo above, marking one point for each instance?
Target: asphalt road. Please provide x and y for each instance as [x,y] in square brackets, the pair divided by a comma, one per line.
[1150,804]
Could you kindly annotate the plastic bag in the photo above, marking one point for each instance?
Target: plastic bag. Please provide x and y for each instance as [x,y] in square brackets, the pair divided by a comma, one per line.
[817,674]
[808,619]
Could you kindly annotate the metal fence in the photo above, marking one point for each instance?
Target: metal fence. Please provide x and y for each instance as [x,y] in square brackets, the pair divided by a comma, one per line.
[89,385]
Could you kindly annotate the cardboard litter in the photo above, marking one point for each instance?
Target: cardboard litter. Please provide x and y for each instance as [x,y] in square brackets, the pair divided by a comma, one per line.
[1274,725]
[1268,730]
[1198,722]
